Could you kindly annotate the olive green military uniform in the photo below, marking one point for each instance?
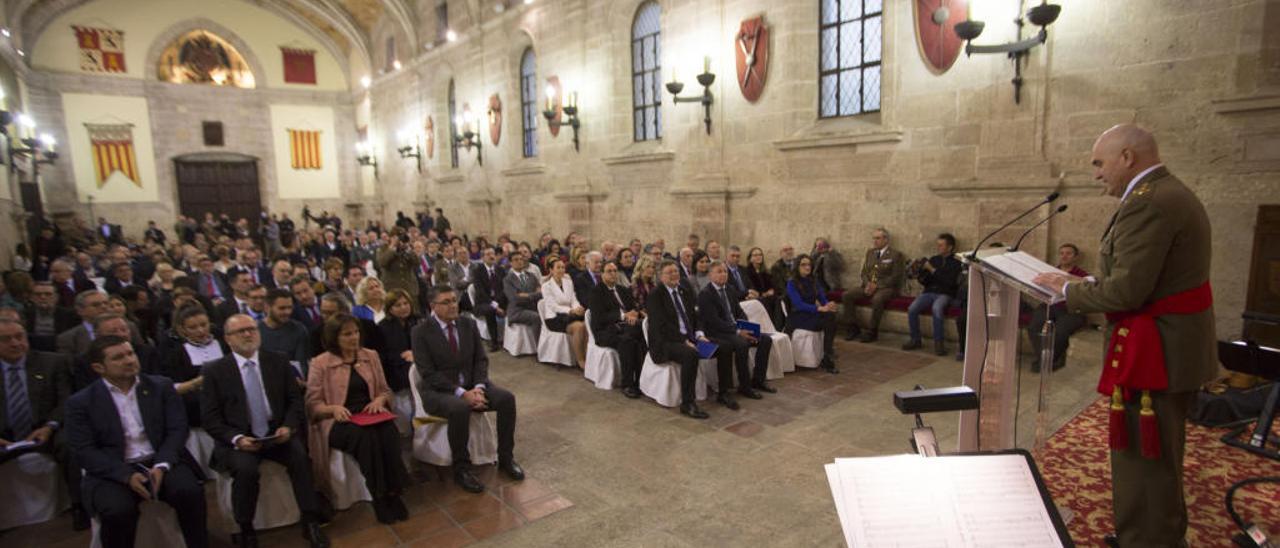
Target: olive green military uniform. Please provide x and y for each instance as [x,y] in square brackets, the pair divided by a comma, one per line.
[887,269]
[1158,244]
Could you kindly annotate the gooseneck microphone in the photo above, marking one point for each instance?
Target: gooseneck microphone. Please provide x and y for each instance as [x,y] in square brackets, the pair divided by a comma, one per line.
[1018,244]
[973,256]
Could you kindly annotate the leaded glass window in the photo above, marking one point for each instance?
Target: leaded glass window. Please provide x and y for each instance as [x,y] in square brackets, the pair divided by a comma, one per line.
[646,80]
[849,40]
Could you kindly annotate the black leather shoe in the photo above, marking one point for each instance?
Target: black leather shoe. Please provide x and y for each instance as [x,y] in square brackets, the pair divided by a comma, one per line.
[939,349]
[691,410]
[853,333]
[1111,540]
[631,392]
[311,531]
[749,393]
[384,510]
[512,470]
[79,519]
[398,510]
[468,481]
[727,401]
[764,387]
[247,538]
[829,365]
[912,344]
[495,348]
[869,337]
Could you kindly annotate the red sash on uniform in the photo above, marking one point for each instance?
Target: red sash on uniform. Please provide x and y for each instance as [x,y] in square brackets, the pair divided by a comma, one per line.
[1135,361]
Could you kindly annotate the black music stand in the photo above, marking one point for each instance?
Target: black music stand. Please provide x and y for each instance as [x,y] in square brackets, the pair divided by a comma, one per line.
[1247,357]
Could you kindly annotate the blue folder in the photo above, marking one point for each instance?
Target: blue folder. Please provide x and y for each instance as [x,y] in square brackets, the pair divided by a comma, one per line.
[706,349]
[754,328]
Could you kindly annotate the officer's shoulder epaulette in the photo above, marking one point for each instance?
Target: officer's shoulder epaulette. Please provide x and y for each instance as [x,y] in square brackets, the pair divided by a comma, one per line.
[1143,189]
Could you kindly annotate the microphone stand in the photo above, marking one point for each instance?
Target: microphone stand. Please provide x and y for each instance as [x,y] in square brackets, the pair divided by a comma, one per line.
[973,256]
[1018,244]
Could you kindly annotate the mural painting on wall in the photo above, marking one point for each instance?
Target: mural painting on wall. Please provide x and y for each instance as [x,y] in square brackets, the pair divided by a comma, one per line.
[101,50]
[299,65]
[113,152]
[304,149]
[431,138]
[495,118]
[752,57]
[935,19]
[201,57]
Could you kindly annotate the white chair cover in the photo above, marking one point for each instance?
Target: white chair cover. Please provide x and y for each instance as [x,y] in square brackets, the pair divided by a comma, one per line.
[662,381]
[553,347]
[346,483]
[32,490]
[518,340]
[431,440]
[483,327]
[157,526]
[402,406]
[707,370]
[808,347]
[781,354]
[200,445]
[604,366]
[276,505]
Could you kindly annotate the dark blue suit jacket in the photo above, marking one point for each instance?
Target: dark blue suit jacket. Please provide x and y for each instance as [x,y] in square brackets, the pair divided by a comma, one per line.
[716,319]
[96,435]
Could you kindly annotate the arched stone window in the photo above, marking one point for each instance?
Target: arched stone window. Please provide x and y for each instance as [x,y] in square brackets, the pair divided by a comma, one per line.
[646,80]
[529,102]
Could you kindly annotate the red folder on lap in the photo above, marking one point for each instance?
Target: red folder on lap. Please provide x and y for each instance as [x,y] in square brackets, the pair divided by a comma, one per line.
[370,419]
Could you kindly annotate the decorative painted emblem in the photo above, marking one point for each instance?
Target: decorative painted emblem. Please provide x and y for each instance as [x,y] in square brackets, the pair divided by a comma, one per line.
[495,118]
[431,138]
[751,47]
[935,31]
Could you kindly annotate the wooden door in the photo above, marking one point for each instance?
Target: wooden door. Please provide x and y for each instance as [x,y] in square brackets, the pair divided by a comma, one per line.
[1264,275]
[219,186]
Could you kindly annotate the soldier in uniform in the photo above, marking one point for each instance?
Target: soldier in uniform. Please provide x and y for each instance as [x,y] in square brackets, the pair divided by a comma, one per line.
[1154,287]
[882,274]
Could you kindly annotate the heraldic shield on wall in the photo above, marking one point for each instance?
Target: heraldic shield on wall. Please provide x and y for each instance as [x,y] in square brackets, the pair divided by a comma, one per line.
[935,31]
[751,48]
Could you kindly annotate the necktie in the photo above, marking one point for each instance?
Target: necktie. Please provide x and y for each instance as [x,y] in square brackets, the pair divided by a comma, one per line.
[727,307]
[621,306]
[244,308]
[257,401]
[453,338]
[208,281]
[19,405]
[684,318]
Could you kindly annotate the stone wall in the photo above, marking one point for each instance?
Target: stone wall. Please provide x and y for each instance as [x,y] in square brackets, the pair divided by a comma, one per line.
[949,152]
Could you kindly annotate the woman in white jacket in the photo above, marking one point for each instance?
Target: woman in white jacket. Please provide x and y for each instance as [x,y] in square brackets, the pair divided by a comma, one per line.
[563,313]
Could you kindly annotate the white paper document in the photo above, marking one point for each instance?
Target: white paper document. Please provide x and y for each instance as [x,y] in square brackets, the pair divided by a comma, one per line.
[961,501]
[1024,268]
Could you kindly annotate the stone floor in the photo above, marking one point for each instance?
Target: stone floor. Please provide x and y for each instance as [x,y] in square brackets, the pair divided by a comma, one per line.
[608,471]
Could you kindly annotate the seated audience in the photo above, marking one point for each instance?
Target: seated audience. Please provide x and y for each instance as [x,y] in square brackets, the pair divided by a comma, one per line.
[241,283]
[811,311]
[523,290]
[760,280]
[565,312]
[491,301]
[184,360]
[719,313]
[782,268]
[397,265]
[347,380]
[453,382]
[615,323]
[306,307]
[701,272]
[210,283]
[828,264]
[282,334]
[589,277]
[332,304]
[686,263]
[149,359]
[644,280]
[370,298]
[882,275]
[44,319]
[674,334]
[69,286]
[626,266]
[248,396]
[940,276]
[397,351]
[128,433]
[1065,323]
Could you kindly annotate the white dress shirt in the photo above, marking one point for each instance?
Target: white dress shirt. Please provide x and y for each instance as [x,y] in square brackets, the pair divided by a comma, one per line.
[256,371]
[202,354]
[137,447]
[560,296]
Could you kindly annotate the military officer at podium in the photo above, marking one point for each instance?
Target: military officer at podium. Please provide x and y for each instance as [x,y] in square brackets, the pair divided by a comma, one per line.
[1154,287]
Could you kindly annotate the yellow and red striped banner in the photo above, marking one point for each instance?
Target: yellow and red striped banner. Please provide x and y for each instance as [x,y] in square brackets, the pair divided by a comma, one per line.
[304,149]
[113,151]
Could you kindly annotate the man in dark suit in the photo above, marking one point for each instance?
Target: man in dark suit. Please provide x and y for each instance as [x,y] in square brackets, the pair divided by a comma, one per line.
[453,380]
[62,275]
[491,300]
[122,277]
[36,386]
[128,433]
[246,396]
[615,323]
[241,282]
[210,283]
[44,319]
[719,311]
[588,278]
[110,233]
[306,306]
[154,233]
[674,333]
[523,293]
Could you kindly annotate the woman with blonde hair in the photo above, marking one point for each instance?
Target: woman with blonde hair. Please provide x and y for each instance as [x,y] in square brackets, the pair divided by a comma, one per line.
[370,298]
[564,313]
[643,281]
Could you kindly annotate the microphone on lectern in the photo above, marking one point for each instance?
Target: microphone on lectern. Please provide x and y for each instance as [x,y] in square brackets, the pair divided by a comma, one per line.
[973,256]
[1018,244]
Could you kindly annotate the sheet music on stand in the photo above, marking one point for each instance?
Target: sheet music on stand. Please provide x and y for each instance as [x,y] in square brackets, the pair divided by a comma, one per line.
[980,500]
[1023,267]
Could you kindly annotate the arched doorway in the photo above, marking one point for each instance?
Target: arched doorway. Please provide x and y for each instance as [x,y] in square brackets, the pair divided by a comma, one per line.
[218,183]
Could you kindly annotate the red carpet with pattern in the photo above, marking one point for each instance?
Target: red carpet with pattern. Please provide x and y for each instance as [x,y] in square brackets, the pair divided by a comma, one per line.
[1076,467]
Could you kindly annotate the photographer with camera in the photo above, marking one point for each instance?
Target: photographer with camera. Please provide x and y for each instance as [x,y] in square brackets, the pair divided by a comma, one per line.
[396,264]
[940,276]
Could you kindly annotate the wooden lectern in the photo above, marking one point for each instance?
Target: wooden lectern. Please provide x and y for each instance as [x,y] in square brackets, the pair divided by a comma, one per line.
[997,278]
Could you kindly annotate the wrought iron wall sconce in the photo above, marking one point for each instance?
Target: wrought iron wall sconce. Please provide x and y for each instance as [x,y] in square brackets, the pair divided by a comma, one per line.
[1042,16]
[468,136]
[674,87]
[40,151]
[409,148]
[364,156]
[569,108]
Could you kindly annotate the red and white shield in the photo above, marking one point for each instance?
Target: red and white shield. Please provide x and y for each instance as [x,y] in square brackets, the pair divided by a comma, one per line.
[935,30]
[751,48]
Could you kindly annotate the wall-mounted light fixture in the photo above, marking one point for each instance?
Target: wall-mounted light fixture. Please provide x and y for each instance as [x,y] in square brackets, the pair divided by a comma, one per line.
[40,151]
[468,136]
[1042,16]
[674,87]
[568,107]
[409,147]
[364,156]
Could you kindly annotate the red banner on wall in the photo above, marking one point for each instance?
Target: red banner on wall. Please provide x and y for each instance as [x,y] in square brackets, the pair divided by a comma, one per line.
[304,149]
[299,65]
[113,151]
